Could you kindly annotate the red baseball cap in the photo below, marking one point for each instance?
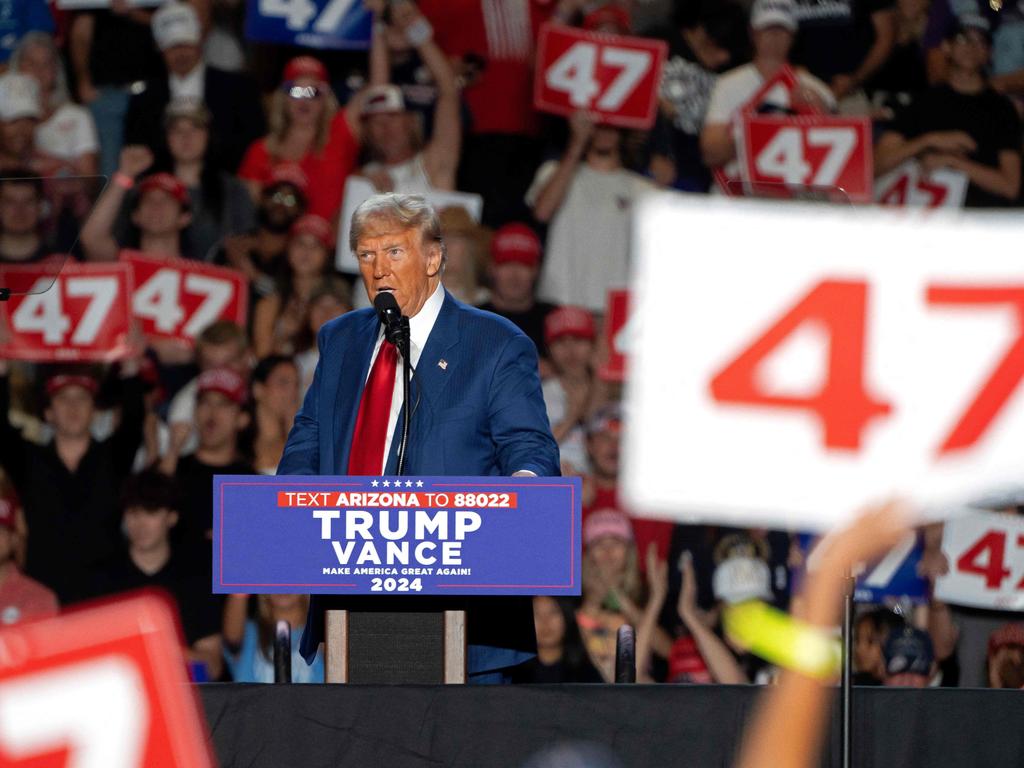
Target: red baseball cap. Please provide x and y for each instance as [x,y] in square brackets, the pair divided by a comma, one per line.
[1008,634]
[606,522]
[8,512]
[319,227]
[165,182]
[225,381]
[609,13]
[305,66]
[56,383]
[516,243]
[569,321]
[289,173]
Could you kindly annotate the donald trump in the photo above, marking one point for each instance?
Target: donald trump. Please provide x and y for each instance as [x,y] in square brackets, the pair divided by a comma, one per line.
[477,407]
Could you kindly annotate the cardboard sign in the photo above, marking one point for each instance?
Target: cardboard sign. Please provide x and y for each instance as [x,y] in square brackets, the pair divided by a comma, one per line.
[101,687]
[178,298]
[415,535]
[986,562]
[359,189]
[895,576]
[309,23]
[816,151]
[83,316]
[823,373]
[618,337]
[908,186]
[612,76]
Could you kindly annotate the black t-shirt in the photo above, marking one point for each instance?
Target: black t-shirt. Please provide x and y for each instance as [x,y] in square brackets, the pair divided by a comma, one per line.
[184,581]
[835,35]
[195,483]
[530,322]
[123,51]
[988,117]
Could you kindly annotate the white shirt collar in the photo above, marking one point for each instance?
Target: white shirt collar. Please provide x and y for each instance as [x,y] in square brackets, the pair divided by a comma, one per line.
[422,323]
[190,86]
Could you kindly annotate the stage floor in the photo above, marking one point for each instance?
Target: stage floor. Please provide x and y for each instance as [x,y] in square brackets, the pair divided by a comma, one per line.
[328,726]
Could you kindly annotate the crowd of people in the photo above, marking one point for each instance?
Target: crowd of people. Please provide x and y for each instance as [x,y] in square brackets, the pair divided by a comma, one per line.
[107,470]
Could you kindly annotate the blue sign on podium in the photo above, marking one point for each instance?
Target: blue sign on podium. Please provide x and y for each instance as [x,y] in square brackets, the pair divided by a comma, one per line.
[410,535]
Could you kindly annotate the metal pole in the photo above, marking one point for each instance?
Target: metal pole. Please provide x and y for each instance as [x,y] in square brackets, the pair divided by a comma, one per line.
[846,688]
[283,653]
[625,655]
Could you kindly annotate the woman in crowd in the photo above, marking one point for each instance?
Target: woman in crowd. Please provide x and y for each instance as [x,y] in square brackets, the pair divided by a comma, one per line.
[220,202]
[467,244]
[570,334]
[249,643]
[280,317]
[275,400]
[307,127]
[561,657]
[330,299]
[66,139]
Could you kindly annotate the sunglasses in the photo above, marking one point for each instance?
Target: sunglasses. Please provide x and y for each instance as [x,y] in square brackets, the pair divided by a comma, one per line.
[302,92]
[285,198]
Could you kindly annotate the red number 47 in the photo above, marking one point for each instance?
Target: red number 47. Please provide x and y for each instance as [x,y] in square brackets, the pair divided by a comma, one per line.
[843,404]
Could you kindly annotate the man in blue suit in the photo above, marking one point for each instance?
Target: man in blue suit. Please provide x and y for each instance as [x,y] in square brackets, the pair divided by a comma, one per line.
[477,403]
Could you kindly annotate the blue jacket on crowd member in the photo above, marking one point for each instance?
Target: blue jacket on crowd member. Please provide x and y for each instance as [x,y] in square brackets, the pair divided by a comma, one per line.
[478,410]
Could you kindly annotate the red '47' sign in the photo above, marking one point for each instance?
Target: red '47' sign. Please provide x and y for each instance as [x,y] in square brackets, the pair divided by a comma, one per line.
[84,315]
[825,372]
[986,562]
[613,76]
[816,151]
[178,298]
[96,688]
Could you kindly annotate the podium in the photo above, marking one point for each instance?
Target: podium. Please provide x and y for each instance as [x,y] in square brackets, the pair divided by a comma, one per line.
[400,567]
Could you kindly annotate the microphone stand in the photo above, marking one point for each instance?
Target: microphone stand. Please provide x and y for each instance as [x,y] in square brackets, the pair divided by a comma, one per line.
[397,332]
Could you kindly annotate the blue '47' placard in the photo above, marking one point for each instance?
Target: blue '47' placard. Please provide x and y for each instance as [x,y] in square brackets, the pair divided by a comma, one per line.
[309,23]
[414,535]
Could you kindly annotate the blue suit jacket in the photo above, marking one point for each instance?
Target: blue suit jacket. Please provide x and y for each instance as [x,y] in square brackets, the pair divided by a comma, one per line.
[480,414]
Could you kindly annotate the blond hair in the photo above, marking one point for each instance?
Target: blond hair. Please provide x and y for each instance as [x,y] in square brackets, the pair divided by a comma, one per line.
[280,124]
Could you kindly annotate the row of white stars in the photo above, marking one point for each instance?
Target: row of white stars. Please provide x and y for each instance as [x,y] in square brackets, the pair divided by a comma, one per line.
[396,483]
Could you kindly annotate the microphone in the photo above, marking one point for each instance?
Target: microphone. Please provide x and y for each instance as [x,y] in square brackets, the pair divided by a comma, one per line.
[396,327]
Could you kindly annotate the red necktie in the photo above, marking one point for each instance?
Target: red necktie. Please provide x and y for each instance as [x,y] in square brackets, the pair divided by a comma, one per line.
[371,433]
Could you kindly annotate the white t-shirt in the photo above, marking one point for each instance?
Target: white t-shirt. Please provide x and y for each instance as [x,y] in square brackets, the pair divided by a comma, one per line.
[587,251]
[573,448]
[68,134]
[736,87]
[409,177]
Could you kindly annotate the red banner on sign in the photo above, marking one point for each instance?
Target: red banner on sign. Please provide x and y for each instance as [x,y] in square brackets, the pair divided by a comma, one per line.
[178,298]
[616,337]
[808,152]
[83,316]
[613,76]
[101,686]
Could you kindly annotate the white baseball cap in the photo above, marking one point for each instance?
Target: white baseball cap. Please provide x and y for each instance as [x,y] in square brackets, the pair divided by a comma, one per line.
[741,578]
[383,98]
[176,24]
[773,13]
[19,97]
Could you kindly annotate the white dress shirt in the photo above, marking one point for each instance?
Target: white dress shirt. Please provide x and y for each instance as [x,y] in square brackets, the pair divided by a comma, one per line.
[190,87]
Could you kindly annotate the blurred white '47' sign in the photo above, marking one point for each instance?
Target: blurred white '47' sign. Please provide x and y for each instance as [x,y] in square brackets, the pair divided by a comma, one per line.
[803,361]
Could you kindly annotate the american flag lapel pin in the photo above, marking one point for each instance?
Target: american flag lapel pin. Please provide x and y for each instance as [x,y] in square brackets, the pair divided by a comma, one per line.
[442,364]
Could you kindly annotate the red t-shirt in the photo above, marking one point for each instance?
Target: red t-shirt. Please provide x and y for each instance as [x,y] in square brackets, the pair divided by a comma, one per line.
[23,599]
[503,33]
[644,530]
[326,170]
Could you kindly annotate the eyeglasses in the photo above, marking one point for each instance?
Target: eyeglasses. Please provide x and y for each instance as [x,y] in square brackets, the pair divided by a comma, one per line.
[302,92]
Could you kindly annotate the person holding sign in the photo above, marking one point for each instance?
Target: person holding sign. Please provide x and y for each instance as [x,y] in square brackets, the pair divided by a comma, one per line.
[773,28]
[479,408]
[963,124]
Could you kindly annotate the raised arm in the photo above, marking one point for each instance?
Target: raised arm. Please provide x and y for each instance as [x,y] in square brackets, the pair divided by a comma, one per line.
[552,194]
[98,231]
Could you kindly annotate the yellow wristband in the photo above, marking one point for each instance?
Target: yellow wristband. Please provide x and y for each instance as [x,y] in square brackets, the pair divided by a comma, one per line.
[777,637]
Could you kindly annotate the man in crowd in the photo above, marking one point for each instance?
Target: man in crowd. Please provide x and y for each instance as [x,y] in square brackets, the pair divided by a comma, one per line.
[220,417]
[843,43]
[773,28]
[909,658]
[160,211]
[151,506]
[232,99]
[962,125]
[480,407]
[21,598]
[20,112]
[21,216]
[515,264]
[1006,656]
[587,196]
[260,254]
[69,486]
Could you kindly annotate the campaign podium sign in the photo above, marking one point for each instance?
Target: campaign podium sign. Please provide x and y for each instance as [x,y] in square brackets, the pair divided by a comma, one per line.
[397,535]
